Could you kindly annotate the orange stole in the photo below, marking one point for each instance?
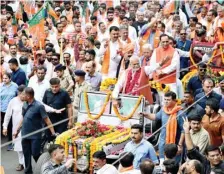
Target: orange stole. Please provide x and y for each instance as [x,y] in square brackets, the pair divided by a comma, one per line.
[171,127]
[145,38]
[144,88]
[122,63]
[160,54]
[106,59]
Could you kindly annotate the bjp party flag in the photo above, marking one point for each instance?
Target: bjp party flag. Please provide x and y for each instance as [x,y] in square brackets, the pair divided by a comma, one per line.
[36,28]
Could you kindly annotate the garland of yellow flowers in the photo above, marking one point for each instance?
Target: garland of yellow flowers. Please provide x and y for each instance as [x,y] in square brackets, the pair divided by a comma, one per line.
[158,86]
[107,83]
[131,114]
[123,139]
[102,110]
[187,77]
[75,157]
[222,54]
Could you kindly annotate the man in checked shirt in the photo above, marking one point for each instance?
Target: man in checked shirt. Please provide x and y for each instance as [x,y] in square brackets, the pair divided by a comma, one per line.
[54,165]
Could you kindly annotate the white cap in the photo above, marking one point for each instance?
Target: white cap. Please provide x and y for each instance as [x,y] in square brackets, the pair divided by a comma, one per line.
[57,8]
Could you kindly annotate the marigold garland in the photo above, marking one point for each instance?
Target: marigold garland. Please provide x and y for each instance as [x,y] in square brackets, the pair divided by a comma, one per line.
[102,110]
[187,77]
[158,86]
[222,54]
[131,114]
[113,135]
[125,136]
[75,157]
[105,84]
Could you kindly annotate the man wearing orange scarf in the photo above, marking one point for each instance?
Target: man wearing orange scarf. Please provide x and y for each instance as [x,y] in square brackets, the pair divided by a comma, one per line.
[171,117]
[125,40]
[169,72]
[126,161]
[111,52]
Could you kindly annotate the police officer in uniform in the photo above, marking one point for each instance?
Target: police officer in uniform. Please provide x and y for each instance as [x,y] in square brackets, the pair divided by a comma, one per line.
[80,86]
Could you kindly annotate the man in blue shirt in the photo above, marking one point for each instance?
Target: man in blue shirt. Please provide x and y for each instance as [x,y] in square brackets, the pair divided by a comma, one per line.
[207,93]
[34,114]
[184,44]
[141,148]
[169,105]
[18,75]
[196,81]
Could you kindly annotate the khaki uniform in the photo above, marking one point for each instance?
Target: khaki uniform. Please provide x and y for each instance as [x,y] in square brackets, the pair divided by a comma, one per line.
[65,81]
[85,86]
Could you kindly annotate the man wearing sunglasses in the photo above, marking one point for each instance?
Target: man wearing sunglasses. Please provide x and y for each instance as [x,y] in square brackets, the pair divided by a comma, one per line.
[195,82]
[183,44]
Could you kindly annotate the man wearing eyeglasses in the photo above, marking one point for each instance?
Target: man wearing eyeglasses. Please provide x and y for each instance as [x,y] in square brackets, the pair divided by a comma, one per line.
[183,44]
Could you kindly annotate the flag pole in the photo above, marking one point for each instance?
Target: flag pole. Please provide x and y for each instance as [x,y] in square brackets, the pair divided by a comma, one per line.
[61,54]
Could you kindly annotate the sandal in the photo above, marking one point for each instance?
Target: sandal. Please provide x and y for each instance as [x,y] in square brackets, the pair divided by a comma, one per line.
[19,167]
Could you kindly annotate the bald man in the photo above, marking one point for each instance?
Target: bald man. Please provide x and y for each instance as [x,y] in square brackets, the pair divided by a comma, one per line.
[135,78]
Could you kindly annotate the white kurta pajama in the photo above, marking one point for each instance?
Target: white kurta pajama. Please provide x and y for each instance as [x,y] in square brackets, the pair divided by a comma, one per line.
[175,65]
[14,110]
[114,58]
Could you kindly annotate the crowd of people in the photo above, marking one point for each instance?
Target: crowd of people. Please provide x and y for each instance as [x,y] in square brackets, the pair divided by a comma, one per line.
[44,73]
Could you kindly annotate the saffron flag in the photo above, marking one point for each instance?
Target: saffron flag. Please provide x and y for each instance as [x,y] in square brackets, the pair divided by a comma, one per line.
[170,7]
[29,7]
[36,28]
[19,12]
[51,12]
[12,29]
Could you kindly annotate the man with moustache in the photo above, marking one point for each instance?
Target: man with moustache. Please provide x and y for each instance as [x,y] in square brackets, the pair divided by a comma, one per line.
[199,135]
[213,157]
[139,147]
[173,131]
[92,77]
[213,122]
[59,99]
[111,52]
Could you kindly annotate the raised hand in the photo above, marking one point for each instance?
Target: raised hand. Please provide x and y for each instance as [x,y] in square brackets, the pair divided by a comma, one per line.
[186,125]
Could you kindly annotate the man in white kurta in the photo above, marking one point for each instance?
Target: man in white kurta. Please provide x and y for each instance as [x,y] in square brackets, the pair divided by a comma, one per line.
[170,69]
[125,39]
[220,18]
[135,65]
[112,49]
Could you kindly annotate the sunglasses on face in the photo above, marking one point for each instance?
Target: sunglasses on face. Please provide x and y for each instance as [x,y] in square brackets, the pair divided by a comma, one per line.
[54,59]
[202,70]
[183,33]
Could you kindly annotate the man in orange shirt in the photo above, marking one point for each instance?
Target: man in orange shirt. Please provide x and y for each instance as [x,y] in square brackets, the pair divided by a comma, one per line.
[213,122]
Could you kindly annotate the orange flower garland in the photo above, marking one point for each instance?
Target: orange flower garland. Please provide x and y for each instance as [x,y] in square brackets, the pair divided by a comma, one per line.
[102,110]
[222,54]
[131,114]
